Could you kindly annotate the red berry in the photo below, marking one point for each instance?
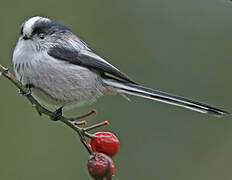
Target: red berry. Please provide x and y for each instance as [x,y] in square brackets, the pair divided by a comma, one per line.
[105,142]
[100,166]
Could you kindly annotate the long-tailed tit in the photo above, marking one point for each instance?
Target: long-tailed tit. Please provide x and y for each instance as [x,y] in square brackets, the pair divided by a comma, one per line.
[63,72]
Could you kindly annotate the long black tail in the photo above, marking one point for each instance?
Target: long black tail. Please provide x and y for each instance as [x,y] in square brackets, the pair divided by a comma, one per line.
[141,91]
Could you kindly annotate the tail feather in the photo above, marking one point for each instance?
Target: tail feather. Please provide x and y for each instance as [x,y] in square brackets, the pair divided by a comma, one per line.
[141,91]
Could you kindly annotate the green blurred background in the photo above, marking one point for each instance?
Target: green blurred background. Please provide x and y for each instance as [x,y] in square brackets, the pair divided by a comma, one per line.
[182,47]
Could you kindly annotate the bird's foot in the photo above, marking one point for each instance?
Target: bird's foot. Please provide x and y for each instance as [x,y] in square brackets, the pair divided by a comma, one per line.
[28,86]
[57,114]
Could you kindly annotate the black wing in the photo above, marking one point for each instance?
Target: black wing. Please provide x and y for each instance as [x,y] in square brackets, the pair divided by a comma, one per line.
[86,58]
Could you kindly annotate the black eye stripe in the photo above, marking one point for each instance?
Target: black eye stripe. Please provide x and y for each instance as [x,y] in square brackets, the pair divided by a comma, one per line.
[37,30]
[48,27]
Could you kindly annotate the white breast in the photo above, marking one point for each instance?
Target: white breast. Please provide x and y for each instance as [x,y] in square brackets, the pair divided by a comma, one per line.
[24,57]
[57,83]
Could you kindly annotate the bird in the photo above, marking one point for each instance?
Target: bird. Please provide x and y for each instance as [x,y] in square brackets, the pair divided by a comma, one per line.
[63,72]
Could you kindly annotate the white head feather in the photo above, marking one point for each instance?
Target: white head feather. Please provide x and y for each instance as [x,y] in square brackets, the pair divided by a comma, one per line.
[28,26]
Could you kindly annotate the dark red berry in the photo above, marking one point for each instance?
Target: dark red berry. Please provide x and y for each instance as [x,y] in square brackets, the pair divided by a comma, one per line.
[100,166]
[105,142]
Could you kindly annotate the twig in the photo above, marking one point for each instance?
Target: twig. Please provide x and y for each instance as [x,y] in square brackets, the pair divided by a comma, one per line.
[41,110]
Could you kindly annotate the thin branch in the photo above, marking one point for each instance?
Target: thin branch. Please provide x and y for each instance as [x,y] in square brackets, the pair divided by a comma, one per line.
[41,110]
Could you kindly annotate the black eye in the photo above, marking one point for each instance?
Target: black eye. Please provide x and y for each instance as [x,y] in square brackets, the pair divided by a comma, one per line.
[41,35]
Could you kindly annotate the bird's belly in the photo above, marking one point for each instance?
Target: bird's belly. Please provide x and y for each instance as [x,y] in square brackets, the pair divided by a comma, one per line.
[60,84]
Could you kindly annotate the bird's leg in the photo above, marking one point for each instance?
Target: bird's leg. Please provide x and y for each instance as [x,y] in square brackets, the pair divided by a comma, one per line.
[28,86]
[57,114]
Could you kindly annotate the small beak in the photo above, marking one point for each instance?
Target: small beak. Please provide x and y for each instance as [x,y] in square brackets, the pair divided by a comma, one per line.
[25,37]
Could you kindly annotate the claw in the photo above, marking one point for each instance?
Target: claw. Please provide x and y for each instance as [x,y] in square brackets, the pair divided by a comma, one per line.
[57,114]
[6,70]
[23,93]
[28,86]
